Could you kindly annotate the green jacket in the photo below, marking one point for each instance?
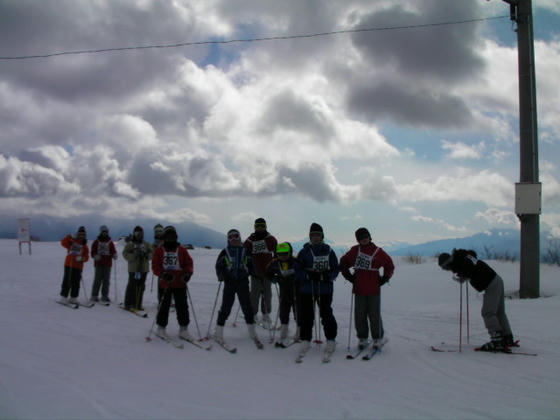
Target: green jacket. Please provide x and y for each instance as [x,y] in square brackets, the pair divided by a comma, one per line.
[138,256]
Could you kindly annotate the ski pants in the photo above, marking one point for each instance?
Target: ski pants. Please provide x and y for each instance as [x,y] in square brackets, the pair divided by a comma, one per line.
[240,288]
[288,301]
[307,315]
[71,282]
[102,279]
[368,308]
[135,290]
[179,295]
[261,289]
[494,308]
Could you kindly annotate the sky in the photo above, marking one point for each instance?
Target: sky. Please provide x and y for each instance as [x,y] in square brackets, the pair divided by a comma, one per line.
[412,133]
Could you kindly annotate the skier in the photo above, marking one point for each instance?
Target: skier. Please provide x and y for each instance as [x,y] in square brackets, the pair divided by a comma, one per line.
[77,255]
[316,270]
[158,240]
[465,265]
[367,259]
[281,270]
[138,253]
[103,252]
[232,268]
[260,246]
[173,265]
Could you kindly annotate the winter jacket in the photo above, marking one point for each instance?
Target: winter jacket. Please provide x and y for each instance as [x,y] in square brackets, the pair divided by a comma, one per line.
[174,259]
[282,272]
[138,254]
[78,251]
[260,247]
[465,264]
[232,264]
[316,269]
[104,248]
[366,261]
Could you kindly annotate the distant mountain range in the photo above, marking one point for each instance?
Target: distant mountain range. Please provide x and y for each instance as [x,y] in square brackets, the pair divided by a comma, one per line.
[487,244]
[47,228]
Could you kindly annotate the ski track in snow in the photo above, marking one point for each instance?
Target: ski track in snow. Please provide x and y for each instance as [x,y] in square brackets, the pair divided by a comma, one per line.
[57,362]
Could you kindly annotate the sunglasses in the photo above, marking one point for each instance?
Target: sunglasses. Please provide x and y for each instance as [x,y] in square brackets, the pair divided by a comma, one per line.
[234,236]
[260,225]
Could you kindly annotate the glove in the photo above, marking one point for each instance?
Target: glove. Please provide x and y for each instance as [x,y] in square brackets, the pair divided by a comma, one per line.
[97,257]
[140,253]
[221,278]
[115,257]
[186,277]
[168,277]
[459,279]
[352,278]
[274,279]
[383,280]
[79,258]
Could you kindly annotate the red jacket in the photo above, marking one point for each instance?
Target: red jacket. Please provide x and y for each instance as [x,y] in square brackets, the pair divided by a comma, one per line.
[176,261]
[76,248]
[366,280]
[105,248]
[261,248]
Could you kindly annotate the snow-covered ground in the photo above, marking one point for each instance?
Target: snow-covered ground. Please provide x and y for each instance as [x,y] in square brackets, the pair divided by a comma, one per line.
[57,362]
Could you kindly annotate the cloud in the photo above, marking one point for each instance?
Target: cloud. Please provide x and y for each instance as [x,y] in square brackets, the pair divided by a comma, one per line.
[460,150]
[494,216]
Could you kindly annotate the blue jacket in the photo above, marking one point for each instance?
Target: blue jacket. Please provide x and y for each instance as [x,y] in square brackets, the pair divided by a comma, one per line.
[231,264]
[316,269]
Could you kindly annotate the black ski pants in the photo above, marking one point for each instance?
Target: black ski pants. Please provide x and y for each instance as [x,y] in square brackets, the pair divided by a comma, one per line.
[135,290]
[179,295]
[240,288]
[71,282]
[307,315]
[288,301]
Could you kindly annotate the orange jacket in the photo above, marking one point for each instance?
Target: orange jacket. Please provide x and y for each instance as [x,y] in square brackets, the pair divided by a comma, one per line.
[76,248]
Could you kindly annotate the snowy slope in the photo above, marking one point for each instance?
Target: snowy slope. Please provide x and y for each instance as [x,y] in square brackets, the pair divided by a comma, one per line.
[57,362]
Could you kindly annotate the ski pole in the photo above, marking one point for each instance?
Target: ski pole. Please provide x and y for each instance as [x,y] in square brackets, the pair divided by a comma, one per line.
[273,335]
[149,336]
[152,285]
[315,320]
[84,287]
[213,310]
[460,315]
[116,300]
[350,318]
[467,293]
[194,313]
[236,315]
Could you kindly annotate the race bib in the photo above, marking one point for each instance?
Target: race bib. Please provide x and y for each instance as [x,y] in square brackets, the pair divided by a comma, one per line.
[259,247]
[320,263]
[363,261]
[170,261]
[75,248]
[103,248]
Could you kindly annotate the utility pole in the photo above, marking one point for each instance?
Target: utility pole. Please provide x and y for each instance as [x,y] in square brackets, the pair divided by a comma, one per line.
[528,190]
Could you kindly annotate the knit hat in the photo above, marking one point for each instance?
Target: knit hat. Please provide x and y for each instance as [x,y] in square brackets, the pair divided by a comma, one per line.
[445,260]
[81,232]
[169,234]
[158,228]
[284,248]
[138,228]
[316,228]
[362,233]
[103,229]
[234,233]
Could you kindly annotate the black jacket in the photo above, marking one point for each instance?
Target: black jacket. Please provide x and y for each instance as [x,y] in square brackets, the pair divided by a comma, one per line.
[465,264]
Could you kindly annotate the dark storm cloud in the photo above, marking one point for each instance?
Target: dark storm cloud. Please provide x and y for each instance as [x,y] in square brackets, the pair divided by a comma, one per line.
[413,71]
[31,27]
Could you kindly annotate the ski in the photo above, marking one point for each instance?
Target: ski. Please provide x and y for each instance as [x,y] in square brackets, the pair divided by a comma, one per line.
[301,356]
[226,346]
[140,314]
[356,353]
[87,304]
[372,352]
[196,344]
[327,356]
[281,345]
[258,343]
[439,350]
[68,304]
[168,340]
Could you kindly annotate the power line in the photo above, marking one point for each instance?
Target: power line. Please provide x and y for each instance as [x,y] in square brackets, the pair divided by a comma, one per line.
[273,38]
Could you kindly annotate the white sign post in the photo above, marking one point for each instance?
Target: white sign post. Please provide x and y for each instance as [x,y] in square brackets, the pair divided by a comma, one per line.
[24,233]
